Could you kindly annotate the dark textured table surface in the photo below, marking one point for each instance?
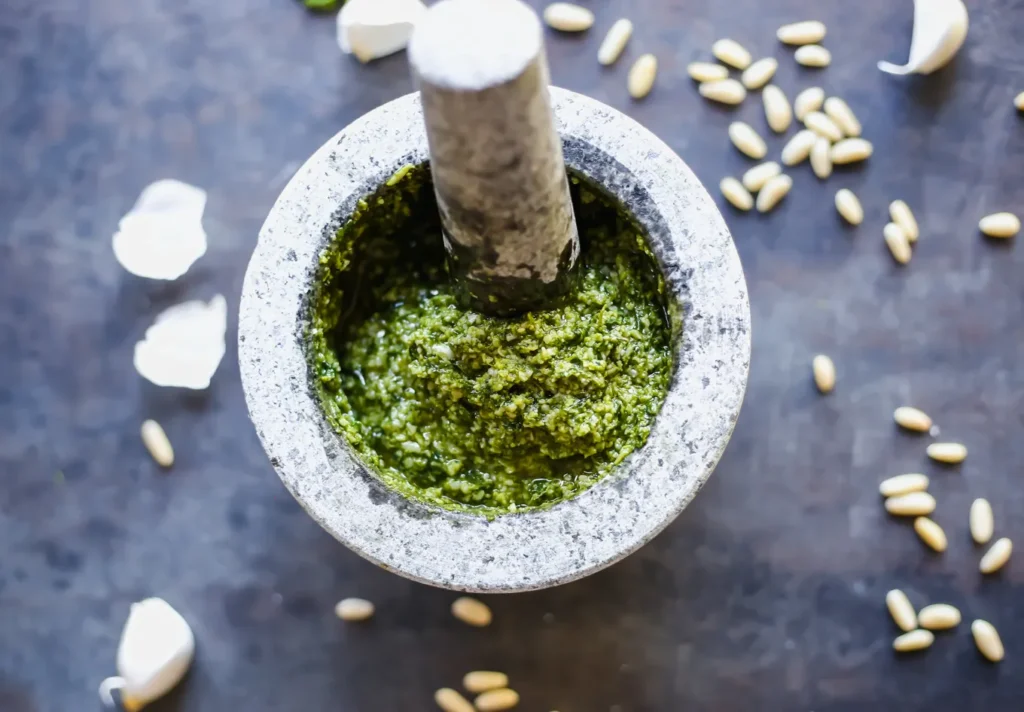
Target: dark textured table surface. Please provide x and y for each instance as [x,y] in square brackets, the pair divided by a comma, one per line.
[767,594]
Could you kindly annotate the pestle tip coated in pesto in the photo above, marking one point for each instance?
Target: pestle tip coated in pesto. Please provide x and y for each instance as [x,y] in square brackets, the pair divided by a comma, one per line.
[475,413]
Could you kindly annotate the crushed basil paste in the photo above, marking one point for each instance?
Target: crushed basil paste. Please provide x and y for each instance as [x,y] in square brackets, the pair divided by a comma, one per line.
[465,411]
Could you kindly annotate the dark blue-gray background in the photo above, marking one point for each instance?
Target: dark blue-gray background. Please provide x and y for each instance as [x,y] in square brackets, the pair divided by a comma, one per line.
[765,595]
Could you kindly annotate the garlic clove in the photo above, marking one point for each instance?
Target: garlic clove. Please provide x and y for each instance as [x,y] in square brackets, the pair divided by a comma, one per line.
[940,27]
[184,345]
[371,29]
[156,649]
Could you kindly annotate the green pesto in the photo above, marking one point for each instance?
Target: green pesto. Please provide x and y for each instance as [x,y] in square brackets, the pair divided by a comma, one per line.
[470,412]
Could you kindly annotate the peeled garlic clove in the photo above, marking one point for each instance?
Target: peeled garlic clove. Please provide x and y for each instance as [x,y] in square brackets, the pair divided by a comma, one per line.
[157,647]
[370,29]
[185,345]
[940,27]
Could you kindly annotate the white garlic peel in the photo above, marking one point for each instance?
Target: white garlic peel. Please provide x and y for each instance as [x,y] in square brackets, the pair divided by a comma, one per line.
[371,29]
[184,345]
[157,647]
[940,27]
[162,235]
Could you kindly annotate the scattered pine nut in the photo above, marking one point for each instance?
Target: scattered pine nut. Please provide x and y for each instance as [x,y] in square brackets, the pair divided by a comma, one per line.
[496,700]
[901,610]
[802,33]
[996,557]
[849,207]
[484,680]
[798,148]
[641,76]
[756,177]
[902,216]
[747,140]
[451,701]
[912,419]
[807,101]
[813,55]
[567,17]
[773,192]
[939,616]
[759,73]
[732,53]
[736,194]
[155,440]
[841,113]
[615,41]
[354,609]
[950,453]
[983,522]
[914,640]
[824,373]
[707,71]
[725,91]
[821,157]
[1000,225]
[932,535]
[903,484]
[471,611]
[898,244]
[776,109]
[1018,101]
[851,150]
[823,126]
[986,637]
[912,504]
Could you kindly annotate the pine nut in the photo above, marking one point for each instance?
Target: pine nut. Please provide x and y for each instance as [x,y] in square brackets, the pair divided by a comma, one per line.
[823,126]
[732,53]
[841,113]
[901,215]
[798,148]
[824,373]
[772,192]
[641,76]
[451,701]
[986,637]
[496,700]
[939,616]
[807,101]
[747,140]
[567,17]
[932,535]
[707,71]
[912,504]
[759,73]
[354,609]
[484,680]
[614,42]
[901,610]
[471,611]
[726,91]
[776,109]
[851,150]
[155,440]
[996,557]
[1000,225]
[756,177]
[1018,101]
[912,419]
[821,157]
[897,241]
[849,207]
[801,33]
[983,522]
[813,55]
[736,194]
[950,453]
[914,640]
[903,484]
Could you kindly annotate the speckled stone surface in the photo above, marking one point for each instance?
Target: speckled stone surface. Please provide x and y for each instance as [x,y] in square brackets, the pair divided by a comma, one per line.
[765,594]
[523,551]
